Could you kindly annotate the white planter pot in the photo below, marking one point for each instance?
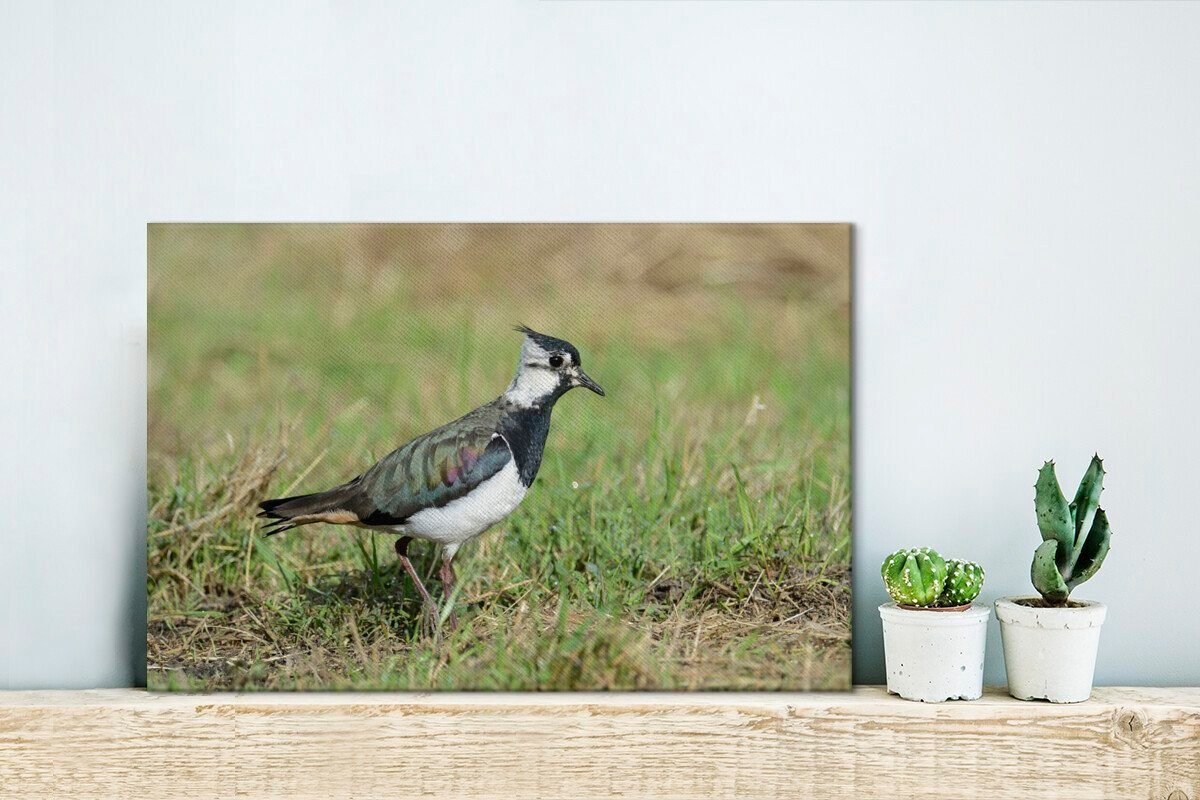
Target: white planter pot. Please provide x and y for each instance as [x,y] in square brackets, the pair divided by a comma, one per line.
[933,656]
[1050,653]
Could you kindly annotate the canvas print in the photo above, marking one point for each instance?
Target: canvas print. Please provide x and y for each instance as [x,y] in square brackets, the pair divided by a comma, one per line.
[499,457]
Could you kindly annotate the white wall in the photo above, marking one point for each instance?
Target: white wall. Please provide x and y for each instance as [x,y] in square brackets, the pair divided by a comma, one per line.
[1025,180]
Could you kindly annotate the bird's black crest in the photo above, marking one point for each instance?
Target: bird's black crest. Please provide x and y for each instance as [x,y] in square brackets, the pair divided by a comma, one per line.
[549,343]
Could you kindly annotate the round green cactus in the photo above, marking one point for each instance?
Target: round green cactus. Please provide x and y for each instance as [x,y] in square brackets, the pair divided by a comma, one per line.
[964,580]
[915,576]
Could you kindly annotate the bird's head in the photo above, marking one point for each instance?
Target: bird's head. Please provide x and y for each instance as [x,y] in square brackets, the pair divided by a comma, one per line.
[548,369]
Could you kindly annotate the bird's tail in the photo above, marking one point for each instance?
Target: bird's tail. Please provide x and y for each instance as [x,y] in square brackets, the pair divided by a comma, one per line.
[286,513]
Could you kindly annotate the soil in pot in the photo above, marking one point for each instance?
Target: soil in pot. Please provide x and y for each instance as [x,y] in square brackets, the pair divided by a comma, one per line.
[963,607]
[1040,602]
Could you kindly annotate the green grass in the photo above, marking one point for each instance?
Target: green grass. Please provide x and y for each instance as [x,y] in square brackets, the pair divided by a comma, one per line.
[688,531]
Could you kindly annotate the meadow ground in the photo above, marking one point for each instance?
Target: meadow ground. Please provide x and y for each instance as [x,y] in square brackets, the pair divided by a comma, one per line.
[691,530]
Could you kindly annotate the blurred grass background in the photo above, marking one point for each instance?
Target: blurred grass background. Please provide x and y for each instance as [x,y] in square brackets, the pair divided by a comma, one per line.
[689,531]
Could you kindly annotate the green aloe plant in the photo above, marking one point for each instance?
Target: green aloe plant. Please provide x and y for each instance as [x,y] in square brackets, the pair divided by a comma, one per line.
[919,576]
[1075,535]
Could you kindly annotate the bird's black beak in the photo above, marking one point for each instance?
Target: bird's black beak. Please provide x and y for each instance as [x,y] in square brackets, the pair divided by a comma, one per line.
[588,383]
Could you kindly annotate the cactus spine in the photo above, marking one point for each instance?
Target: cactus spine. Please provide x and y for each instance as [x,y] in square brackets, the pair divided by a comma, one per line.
[1075,535]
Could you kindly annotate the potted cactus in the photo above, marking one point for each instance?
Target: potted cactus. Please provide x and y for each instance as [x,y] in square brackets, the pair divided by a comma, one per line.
[1050,641]
[933,637]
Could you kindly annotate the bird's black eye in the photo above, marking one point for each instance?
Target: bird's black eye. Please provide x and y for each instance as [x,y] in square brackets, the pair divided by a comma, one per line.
[556,361]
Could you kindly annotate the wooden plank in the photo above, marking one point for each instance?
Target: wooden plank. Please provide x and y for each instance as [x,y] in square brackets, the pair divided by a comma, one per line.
[1124,743]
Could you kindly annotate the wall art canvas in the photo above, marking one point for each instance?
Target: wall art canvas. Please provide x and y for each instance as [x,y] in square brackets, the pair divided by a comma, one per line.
[504,457]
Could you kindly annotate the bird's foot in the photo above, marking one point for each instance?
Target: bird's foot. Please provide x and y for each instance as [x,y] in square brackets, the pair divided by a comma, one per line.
[429,620]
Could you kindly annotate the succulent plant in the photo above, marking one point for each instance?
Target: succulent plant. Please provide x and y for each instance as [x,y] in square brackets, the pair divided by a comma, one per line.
[1075,535]
[964,580]
[915,576]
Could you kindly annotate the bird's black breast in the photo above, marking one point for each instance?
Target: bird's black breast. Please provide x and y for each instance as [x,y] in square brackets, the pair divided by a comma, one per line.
[526,429]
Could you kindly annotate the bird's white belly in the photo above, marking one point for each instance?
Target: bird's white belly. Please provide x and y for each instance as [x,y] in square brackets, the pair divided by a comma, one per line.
[469,516]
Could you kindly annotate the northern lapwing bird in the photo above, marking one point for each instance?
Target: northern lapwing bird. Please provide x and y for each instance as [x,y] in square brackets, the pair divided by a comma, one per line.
[455,482]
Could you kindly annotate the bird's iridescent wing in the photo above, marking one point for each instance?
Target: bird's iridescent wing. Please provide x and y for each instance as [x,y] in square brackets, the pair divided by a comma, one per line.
[432,470]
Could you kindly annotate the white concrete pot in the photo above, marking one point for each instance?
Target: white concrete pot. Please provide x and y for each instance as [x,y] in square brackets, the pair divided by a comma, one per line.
[1050,653]
[933,656]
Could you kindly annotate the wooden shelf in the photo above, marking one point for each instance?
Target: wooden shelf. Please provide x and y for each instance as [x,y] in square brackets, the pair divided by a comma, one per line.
[1123,743]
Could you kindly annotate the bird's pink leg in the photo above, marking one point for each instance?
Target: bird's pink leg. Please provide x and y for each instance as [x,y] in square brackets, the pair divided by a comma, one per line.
[402,552]
[448,578]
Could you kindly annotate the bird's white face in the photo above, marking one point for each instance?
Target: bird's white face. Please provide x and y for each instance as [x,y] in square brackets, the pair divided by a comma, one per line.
[544,373]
